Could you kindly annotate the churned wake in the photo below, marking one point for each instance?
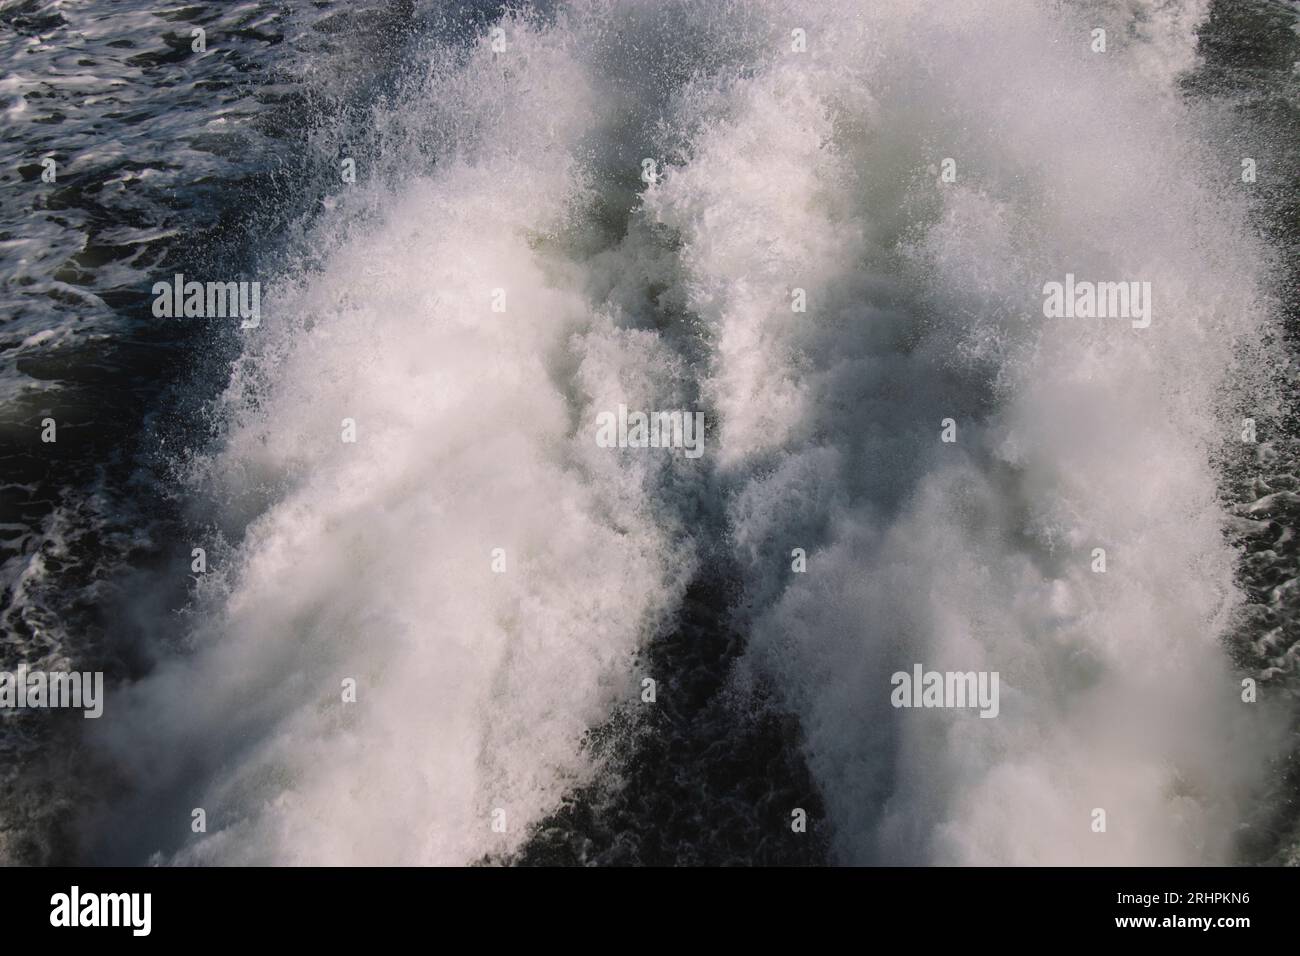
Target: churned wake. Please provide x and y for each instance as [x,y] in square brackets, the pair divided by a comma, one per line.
[488,576]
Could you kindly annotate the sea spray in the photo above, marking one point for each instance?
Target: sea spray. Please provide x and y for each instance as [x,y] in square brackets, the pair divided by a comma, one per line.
[418,626]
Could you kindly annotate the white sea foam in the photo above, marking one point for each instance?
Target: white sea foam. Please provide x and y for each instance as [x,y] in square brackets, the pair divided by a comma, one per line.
[976,555]
[783,171]
[374,560]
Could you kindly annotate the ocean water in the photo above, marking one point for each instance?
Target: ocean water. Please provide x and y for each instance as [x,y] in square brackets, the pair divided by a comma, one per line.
[500,273]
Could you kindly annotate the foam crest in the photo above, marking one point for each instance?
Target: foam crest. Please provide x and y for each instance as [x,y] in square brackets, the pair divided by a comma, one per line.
[925,304]
[374,560]
[784,173]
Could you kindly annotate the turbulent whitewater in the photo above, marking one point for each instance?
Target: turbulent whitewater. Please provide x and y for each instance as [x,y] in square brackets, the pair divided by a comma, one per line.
[495,582]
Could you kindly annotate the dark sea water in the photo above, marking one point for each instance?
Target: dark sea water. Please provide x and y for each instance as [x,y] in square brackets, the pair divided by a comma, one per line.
[518,169]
